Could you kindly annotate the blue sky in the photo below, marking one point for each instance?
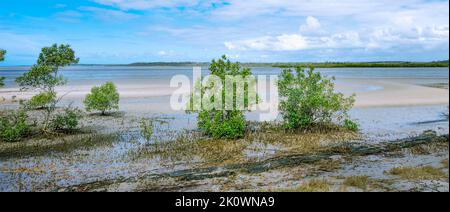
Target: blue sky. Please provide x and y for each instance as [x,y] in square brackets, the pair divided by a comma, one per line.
[125,31]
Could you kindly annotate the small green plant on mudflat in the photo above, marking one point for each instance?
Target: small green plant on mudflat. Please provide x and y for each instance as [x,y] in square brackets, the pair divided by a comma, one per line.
[40,101]
[308,99]
[2,81]
[350,125]
[14,126]
[147,129]
[419,173]
[103,98]
[360,182]
[315,185]
[222,124]
[67,121]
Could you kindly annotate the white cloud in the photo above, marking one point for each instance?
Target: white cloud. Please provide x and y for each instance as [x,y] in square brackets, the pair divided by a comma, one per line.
[312,24]
[108,15]
[286,42]
[162,53]
[401,31]
[330,27]
[233,56]
[342,40]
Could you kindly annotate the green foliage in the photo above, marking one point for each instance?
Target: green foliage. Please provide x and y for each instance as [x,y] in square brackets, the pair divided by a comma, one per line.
[147,129]
[103,98]
[44,76]
[14,127]
[41,77]
[223,122]
[2,81]
[393,64]
[308,98]
[57,56]
[2,57]
[351,125]
[66,121]
[41,101]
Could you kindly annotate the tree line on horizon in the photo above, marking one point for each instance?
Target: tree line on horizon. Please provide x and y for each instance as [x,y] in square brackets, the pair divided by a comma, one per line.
[376,64]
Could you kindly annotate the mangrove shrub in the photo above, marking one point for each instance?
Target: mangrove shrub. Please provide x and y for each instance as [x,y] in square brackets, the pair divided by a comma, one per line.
[226,120]
[44,76]
[14,126]
[66,121]
[103,98]
[2,57]
[308,98]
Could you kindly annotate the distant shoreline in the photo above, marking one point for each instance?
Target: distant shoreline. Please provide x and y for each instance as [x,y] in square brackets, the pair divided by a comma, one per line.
[380,64]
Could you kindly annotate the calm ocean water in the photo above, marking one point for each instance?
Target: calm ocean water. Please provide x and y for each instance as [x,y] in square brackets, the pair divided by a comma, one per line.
[91,74]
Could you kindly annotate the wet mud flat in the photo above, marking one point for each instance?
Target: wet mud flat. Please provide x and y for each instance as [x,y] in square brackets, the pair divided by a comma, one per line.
[112,153]
[347,167]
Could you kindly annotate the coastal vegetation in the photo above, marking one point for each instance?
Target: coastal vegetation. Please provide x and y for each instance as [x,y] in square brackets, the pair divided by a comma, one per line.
[147,129]
[14,126]
[103,98]
[387,64]
[2,54]
[309,99]
[2,58]
[223,122]
[67,120]
[445,163]
[314,185]
[419,173]
[380,64]
[40,101]
[360,182]
[44,76]
[48,117]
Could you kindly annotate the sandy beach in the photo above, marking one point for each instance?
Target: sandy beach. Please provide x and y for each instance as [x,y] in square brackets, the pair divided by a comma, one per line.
[369,93]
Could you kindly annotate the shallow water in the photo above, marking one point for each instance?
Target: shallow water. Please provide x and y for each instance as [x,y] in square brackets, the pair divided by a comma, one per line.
[88,75]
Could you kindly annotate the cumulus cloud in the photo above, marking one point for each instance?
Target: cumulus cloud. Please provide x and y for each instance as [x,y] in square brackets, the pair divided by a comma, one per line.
[312,24]
[286,42]
[322,25]
[400,32]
